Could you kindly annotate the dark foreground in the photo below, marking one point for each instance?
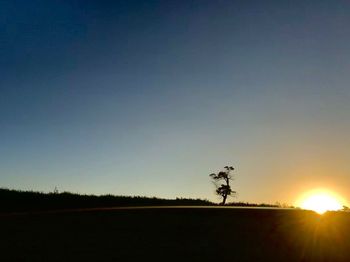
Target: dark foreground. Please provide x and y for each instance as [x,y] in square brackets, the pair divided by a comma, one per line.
[176,234]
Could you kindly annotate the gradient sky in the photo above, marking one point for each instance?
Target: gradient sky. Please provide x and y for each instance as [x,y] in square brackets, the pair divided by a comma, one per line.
[150,97]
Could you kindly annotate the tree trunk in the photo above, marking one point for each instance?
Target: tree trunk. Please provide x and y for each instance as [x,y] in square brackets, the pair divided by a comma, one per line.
[224,199]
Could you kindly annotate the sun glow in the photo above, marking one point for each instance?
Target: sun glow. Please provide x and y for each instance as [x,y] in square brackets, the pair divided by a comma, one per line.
[321,201]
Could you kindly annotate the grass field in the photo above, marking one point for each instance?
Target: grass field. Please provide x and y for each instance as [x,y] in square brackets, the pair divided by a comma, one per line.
[176,234]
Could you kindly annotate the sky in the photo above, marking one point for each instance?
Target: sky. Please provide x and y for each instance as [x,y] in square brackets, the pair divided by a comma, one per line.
[150,97]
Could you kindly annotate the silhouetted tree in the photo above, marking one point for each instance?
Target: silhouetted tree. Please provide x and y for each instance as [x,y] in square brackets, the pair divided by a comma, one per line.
[223,190]
[55,191]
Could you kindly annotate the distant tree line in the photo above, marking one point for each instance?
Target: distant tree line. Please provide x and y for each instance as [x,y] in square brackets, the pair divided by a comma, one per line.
[15,200]
[23,201]
[247,204]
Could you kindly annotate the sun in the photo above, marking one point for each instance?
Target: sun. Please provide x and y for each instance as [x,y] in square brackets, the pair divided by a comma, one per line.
[321,201]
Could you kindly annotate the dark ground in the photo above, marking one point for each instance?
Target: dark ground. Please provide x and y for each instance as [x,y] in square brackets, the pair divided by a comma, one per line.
[176,234]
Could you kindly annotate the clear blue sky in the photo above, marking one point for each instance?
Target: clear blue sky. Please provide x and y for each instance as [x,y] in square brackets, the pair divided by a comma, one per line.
[149,97]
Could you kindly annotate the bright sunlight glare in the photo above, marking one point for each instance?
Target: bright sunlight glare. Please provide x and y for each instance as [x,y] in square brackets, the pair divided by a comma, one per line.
[321,201]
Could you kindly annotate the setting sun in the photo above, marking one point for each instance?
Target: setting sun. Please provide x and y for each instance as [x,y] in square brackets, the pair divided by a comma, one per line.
[321,201]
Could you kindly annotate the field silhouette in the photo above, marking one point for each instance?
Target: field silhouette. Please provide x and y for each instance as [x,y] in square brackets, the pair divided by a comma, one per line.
[176,234]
